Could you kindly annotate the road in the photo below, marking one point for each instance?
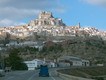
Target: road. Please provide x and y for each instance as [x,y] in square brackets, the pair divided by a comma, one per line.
[29,75]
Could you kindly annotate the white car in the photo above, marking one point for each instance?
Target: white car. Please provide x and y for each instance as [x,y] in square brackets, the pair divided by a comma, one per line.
[1,70]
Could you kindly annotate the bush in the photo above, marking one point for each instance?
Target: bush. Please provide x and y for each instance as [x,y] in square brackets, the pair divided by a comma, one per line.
[20,66]
[23,66]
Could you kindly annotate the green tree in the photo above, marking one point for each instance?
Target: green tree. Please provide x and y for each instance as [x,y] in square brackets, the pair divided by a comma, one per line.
[15,61]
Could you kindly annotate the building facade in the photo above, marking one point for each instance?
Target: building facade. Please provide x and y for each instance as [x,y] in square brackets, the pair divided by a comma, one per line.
[65,61]
[32,65]
[36,63]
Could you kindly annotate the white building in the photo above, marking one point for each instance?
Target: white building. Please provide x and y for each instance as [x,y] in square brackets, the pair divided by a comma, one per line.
[85,63]
[33,44]
[38,47]
[51,64]
[72,61]
[12,43]
[32,65]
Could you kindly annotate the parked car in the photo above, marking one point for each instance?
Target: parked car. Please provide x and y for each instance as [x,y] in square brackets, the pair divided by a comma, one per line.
[1,70]
[44,71]
[7,69]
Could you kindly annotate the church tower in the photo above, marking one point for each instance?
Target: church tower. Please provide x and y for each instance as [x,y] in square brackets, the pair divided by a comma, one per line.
[79,26]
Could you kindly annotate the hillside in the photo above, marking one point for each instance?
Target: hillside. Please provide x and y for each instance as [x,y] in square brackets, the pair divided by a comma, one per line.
[93,49]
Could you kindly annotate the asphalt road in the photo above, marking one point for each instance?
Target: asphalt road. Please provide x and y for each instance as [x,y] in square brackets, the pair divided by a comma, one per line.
[29,75]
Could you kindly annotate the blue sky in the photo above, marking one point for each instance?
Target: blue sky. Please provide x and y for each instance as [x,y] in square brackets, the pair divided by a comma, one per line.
[86,14]
[90,13]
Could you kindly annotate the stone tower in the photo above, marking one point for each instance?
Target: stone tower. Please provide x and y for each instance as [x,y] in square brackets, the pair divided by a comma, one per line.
[45,15]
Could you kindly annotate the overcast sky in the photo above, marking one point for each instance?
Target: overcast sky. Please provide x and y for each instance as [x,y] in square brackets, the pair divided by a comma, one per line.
[87,12]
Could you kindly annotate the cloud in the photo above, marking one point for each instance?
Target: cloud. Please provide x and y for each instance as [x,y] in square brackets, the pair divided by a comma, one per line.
[7,23]
[96,2]
[15,13]
[16,10]
[61,9]
[29,4]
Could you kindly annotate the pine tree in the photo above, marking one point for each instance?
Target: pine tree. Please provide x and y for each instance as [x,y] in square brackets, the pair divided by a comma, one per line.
[15,61]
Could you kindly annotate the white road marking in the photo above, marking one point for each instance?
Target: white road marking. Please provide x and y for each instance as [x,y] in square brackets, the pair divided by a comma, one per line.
[52,76]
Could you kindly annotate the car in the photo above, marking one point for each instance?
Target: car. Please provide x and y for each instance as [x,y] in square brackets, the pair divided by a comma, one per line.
[1,70]
[44,71]
[7,69]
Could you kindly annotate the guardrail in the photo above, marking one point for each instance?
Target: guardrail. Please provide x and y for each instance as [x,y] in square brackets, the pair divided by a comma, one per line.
[70,77]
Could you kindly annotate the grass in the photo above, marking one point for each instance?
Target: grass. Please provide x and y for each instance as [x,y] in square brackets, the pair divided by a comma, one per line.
[87,72]
[1,75]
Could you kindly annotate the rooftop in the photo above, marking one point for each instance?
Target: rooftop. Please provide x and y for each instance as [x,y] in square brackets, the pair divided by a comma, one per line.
[71,58]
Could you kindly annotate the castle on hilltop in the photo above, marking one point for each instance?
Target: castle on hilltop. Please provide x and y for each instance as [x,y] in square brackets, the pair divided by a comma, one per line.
[46,19]
[44,14]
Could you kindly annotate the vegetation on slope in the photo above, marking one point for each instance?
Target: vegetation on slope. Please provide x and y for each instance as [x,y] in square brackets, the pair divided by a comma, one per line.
[88,72]
[93,49]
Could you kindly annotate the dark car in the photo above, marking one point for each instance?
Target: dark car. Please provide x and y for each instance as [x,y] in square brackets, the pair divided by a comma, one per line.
[44,71]
[7,69]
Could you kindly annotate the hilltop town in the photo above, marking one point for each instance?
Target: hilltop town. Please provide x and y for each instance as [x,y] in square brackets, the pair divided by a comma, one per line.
[47,25]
